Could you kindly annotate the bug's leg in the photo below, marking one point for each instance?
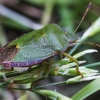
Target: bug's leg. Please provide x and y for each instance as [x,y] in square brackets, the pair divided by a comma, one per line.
[10,85]
[49,67]
[29,67]
[12,68]
[42,67]
[32,85]
[37,74]
[61,56]
[73,59]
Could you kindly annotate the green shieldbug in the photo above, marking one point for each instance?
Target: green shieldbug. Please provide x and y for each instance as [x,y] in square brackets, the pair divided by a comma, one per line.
[37,46]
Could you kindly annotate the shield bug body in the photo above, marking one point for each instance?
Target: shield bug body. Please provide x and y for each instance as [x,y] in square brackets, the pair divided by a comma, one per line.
[37,46]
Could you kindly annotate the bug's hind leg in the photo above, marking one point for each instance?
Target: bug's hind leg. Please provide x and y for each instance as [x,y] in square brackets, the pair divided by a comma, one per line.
[73,59]
[32,85]
[10,85]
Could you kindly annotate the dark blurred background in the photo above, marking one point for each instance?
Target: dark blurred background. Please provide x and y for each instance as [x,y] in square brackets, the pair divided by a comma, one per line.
[18,17]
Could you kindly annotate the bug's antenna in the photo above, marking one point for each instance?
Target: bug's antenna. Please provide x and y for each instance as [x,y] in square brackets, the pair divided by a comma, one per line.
[91,43]
[83,17]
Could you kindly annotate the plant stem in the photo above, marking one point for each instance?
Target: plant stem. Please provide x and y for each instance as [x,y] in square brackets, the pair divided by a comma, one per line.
[49,84]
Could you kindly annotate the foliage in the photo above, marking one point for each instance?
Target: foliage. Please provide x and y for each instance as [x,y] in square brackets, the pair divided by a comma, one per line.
[24,16]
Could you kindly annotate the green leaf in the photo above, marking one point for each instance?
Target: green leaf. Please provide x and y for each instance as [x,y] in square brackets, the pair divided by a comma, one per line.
[88,90]
[87,77]
[84,52]
[94,29]
[53,95]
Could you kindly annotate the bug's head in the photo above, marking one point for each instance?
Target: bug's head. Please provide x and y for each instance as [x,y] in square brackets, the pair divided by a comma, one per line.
[72,38]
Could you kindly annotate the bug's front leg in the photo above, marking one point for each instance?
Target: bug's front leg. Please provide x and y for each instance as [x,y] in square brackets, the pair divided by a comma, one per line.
[73,59]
